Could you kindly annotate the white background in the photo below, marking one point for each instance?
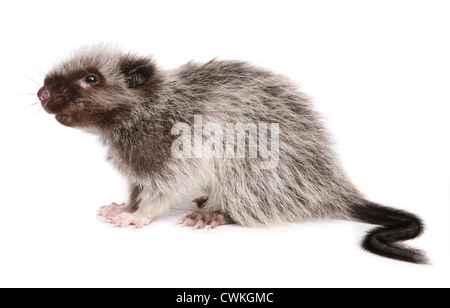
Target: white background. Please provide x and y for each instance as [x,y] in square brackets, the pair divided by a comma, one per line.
[378,70]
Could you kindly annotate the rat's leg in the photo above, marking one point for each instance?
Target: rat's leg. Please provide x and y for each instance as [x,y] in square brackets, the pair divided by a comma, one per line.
[154,196]
[146,206]
[201,218]
[115,209]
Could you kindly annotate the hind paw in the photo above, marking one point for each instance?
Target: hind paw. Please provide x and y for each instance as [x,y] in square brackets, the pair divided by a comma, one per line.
[199,219]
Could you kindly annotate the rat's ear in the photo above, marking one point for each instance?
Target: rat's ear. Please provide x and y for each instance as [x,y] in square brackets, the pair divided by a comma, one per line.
[139,75]
[137,71]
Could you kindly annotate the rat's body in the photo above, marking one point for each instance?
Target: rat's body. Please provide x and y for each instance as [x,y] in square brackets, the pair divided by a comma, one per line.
[132,106]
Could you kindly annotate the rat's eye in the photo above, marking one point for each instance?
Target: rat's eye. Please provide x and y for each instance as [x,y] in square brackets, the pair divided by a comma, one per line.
[92,79]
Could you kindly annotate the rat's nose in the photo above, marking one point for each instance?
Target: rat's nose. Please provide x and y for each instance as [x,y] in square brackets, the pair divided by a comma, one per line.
[43,94]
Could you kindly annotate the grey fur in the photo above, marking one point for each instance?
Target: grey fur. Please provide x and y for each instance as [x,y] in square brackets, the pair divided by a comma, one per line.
[308,182]
[132,106]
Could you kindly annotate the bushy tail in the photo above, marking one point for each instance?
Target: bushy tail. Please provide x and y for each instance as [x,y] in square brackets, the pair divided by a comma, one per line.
[396,225]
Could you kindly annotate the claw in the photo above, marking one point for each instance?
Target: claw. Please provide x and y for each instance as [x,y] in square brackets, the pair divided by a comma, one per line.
[199,225]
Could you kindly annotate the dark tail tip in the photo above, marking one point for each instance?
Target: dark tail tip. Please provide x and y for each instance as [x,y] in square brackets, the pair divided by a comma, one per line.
[397,226]
[381,242]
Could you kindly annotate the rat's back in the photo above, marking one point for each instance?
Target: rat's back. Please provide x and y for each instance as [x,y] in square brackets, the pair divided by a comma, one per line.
[301,178]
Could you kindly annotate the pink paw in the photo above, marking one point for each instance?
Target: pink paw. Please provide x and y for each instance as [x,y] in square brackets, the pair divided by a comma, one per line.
[199,219]
[126,219]
[120,216]
[111,210]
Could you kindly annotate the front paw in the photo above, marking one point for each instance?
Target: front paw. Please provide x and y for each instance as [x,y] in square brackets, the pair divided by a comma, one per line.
[111,210]
[126,219]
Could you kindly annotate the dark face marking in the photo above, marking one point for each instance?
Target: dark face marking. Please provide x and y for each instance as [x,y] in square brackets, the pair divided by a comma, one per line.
[61,94]
[74,98]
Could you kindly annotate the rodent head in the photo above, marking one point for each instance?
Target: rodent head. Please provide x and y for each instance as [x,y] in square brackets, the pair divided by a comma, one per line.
[96,87]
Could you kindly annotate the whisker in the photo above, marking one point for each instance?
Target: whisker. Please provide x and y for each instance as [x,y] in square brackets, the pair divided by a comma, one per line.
[33,104]
[38,69]
[37,111]
[34,81]
[25,94]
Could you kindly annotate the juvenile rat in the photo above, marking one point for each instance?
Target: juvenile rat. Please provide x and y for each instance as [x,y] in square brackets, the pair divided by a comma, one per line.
[132,105]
